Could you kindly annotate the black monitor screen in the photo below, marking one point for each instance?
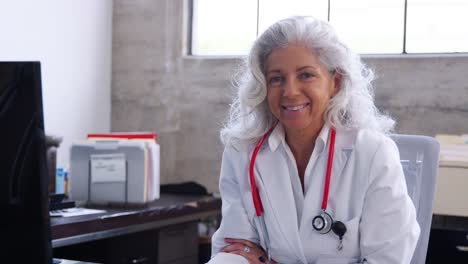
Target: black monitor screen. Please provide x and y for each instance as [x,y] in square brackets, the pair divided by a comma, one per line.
[24,216]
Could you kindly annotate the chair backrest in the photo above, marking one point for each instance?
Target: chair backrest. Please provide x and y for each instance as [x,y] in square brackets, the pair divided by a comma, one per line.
[419,157]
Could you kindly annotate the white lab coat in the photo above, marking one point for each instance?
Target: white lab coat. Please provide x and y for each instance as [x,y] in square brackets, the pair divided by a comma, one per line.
[367,192]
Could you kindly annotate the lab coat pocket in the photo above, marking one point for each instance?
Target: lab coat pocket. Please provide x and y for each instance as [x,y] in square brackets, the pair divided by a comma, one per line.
[351,239]
[350,243]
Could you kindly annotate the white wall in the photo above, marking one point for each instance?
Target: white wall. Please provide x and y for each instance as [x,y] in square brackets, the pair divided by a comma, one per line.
[72,40]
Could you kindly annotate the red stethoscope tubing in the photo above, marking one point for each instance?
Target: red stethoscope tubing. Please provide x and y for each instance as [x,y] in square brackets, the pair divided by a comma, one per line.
[329,169]
[255,194]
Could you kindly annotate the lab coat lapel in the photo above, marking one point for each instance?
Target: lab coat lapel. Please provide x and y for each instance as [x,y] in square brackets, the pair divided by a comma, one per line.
[314,194]
[343,148]
[273,171]
[339,161]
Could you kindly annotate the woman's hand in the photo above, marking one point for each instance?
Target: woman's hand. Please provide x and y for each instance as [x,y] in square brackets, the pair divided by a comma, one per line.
[252,252]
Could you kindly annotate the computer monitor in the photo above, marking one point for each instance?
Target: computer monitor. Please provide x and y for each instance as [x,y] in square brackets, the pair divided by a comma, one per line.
[24,214]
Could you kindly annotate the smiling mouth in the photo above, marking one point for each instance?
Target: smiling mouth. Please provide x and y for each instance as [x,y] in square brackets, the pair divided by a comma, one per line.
[296,107]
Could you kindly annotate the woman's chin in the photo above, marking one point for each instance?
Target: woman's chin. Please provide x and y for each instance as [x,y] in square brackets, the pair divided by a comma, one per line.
[301,124]
[295,125]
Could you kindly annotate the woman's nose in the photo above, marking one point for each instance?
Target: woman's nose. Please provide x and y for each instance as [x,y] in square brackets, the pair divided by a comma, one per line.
[290,88]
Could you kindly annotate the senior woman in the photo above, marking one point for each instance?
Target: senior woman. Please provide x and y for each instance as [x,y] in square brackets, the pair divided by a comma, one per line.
[308,174]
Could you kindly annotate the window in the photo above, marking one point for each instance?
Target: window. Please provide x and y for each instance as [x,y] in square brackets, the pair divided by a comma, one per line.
[227,27]
[223,27]
[437,26]
[369,26]
[270,11]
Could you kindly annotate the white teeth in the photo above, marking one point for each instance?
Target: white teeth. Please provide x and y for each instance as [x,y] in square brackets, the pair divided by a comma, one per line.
[295,108]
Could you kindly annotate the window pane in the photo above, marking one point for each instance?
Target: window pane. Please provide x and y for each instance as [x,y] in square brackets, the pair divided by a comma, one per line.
[437,26]
[369,26]
[223,27]
[274,10]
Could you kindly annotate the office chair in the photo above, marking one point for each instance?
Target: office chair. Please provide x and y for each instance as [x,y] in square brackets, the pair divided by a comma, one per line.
[419,157]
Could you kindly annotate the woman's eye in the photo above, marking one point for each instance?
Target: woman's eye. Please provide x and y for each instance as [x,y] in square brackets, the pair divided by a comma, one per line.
[275,80]
[305,75]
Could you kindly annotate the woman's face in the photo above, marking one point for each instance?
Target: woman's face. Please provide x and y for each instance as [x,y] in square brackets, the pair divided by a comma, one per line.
[299,87]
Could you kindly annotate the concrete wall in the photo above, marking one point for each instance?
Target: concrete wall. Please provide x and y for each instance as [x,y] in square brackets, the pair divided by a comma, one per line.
[185,99]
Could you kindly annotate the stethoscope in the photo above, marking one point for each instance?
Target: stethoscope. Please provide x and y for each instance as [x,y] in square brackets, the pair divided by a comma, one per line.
[321,223]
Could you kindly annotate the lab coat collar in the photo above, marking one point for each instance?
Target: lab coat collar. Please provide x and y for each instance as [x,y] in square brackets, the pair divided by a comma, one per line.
[278,136]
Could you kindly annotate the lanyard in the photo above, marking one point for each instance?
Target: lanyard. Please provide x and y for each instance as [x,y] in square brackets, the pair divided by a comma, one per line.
[255,194]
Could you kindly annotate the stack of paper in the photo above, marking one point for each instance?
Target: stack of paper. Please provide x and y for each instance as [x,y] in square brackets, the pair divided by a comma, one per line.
[453,149]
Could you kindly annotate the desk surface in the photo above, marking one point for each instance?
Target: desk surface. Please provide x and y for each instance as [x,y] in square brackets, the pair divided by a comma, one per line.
[169,209]
[66,261]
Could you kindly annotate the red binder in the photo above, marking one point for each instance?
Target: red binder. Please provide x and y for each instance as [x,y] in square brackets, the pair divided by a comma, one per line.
[126,135]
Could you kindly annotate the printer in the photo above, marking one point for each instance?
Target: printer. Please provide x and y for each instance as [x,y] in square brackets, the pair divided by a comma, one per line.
[115,170]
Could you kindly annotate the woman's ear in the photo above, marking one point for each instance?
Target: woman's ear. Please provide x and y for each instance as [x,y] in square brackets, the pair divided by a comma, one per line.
[337,80]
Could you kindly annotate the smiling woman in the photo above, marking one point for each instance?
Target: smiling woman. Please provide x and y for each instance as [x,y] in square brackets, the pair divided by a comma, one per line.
[326,164]
[299,87]
[351,107]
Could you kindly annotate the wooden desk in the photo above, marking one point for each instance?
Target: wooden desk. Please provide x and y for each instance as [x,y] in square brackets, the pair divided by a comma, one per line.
[103,237]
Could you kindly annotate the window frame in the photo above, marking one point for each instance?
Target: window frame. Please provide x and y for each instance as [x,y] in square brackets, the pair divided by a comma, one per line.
[402,53]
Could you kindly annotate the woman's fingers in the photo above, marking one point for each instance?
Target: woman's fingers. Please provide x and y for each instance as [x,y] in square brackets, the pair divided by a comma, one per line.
[243,241]
[252,258]
[233,247]
[243,245]
[244,248]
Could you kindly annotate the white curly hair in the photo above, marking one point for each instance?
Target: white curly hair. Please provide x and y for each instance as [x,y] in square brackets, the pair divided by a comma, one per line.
[351,108]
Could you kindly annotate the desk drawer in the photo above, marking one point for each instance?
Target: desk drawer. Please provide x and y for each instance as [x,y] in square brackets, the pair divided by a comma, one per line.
[447,245]
[178,244]
[133,248]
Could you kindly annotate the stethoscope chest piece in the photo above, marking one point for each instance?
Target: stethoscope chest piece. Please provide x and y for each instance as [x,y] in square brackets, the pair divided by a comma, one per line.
[322,223]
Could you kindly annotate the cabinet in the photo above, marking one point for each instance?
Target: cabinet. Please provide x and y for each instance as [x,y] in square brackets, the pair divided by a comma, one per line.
[178,244]
[171,244]
[447,245]
[139,248]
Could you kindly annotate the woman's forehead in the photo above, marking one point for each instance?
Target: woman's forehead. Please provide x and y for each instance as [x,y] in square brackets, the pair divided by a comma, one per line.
[292,56]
